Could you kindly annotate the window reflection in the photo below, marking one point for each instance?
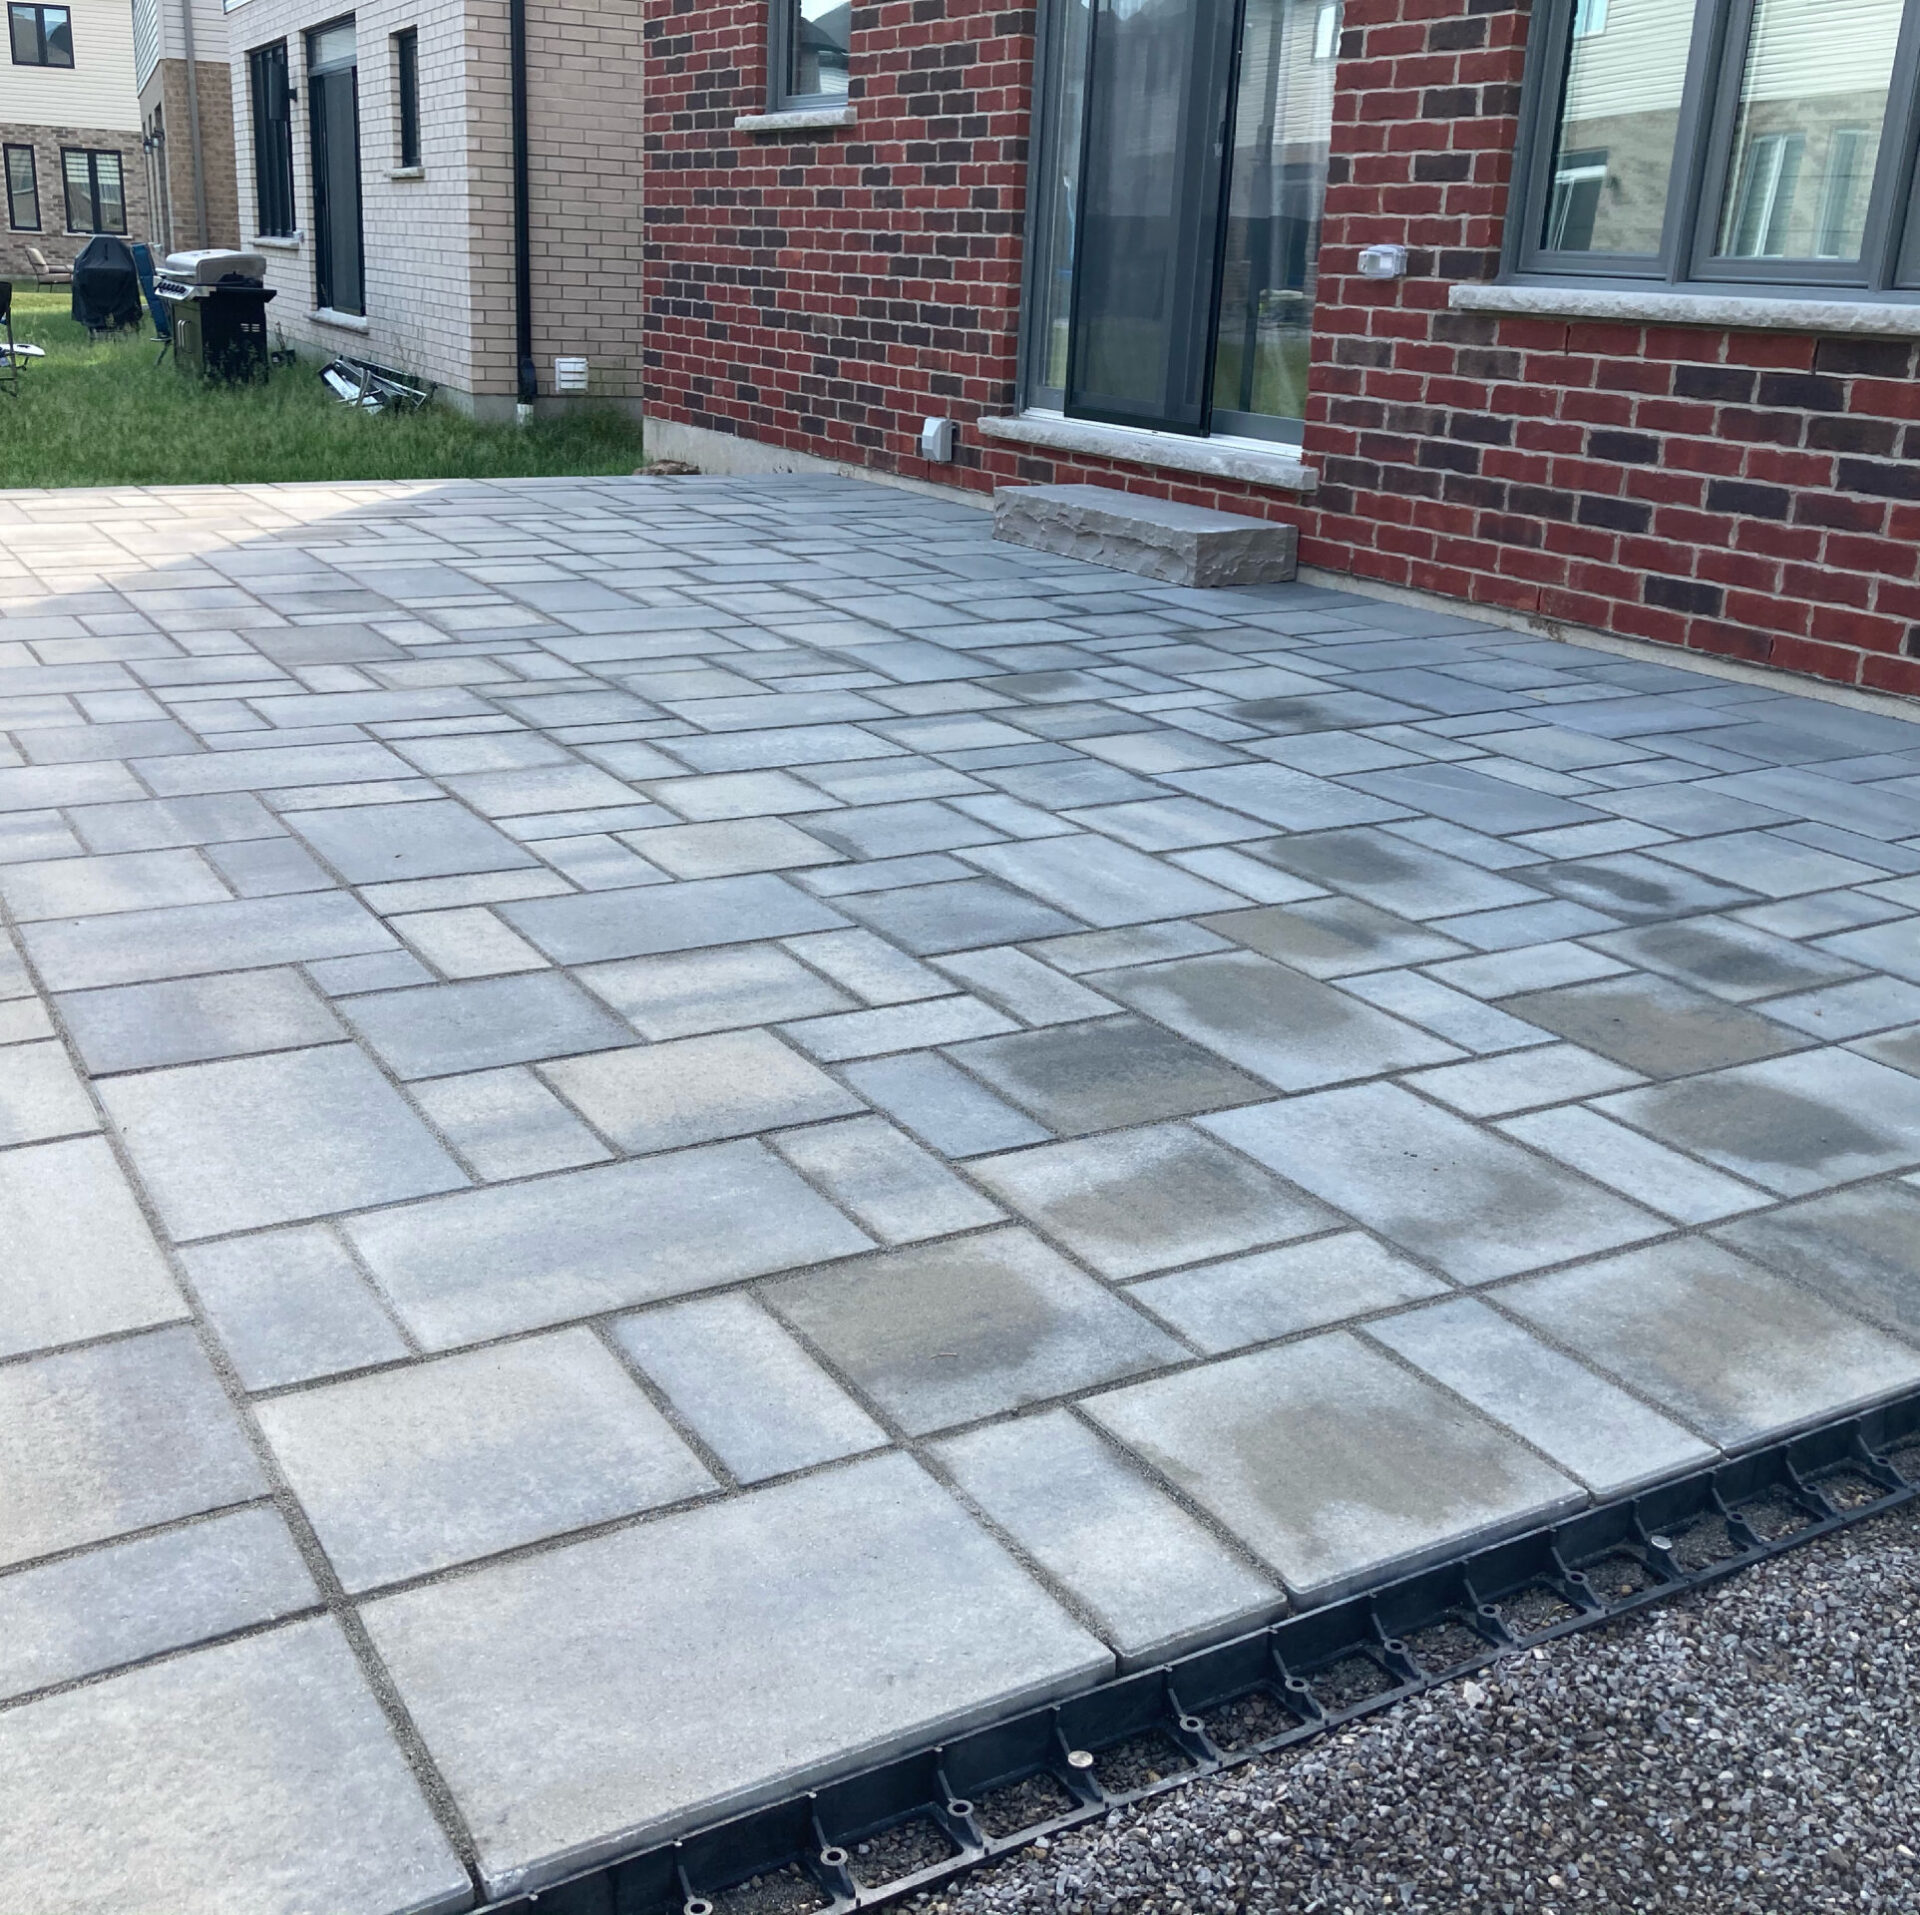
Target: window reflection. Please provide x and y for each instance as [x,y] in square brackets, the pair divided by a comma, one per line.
[821,32]
[1619,117]
[1813,98]
[1283,124]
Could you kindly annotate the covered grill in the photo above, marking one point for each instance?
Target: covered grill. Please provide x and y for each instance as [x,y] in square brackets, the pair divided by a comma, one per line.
[106,285]
[219,305]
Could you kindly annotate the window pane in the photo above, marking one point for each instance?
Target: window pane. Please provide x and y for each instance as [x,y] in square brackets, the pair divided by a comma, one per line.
[23,27]
[23,198]
[59,31]
[1813,97]
[1282,129]
[1145,272]
[820,35]
[1053,279]
[79,181]
[407,51]
[108,197]
[1619,115]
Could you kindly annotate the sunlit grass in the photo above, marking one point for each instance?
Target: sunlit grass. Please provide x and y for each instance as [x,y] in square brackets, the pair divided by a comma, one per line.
[100,412]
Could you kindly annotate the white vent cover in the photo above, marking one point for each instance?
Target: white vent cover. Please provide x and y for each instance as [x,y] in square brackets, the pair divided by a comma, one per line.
[569,375]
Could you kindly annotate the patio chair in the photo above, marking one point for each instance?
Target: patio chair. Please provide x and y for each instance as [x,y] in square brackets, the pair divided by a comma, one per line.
[157,309]
[44,272]
[9,365]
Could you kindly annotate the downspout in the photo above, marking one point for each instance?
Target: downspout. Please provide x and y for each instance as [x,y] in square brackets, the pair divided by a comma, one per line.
[193,125]
[528,379]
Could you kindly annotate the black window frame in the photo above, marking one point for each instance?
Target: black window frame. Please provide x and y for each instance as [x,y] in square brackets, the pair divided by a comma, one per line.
[33,187]
[783,41]
[1888,269]
[406,97]
[43,34]
[270,102]
[93,155]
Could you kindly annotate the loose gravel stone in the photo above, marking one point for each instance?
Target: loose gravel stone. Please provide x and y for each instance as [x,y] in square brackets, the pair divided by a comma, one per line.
[1748,1750]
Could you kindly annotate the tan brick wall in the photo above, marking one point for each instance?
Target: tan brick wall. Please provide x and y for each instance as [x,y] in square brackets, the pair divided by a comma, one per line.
[166,88]
[53,239]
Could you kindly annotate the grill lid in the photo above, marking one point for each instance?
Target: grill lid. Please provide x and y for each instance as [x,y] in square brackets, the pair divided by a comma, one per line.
[208,268]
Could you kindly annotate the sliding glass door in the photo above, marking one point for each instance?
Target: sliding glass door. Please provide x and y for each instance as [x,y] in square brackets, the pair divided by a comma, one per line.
[1181,175]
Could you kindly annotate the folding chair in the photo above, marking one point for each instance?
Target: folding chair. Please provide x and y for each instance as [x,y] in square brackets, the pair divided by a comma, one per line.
[9,364]
[157,308]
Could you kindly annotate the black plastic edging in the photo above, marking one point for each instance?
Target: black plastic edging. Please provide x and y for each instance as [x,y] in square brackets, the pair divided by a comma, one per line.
[918,1820]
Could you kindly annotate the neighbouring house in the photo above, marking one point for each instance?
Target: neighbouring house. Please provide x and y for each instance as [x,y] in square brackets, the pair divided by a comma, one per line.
[1594,314]
[378,156]
[69,131]
[186,123]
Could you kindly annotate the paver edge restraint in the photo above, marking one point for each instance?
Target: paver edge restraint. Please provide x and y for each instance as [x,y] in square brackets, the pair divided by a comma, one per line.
[1606,1561]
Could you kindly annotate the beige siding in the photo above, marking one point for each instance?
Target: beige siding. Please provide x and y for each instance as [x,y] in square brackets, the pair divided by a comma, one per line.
[97,90]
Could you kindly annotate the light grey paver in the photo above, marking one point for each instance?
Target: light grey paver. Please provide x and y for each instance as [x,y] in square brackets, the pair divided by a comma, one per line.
[1634,1165]
[886,1182]
[685,994]
[88,887]
[754,1397]
[1859,1247]
[77,1259]
[289,1305]
[126,1601]
[490,1262]
[1275,1293]
[1032,991]
[482,1024]
[944,1333]
[414,1469]
[257,1778]
[1469,1201]
[193,1020]
[695,1089]
[1141,1200]
[373,844]
[928,919]
[115,1437]
[1521,1080]
[603,1696]
[40,1097]
[730,846]
[1590,1427]
[506,1123]
[263,1140]
[1100,882]
[1154,1579]
[1791,1124]
[1727,1346]
[941,1105]
[466,942]
[1331,1463]
[682,917]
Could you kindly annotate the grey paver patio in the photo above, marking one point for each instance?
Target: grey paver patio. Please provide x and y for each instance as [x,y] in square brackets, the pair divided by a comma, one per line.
[658,1135]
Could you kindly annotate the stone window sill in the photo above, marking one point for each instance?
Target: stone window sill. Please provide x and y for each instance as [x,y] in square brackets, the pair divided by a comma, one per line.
[1747,312]
[407,173]
[346,322]
[275,242]
[1222,458]
[797,119]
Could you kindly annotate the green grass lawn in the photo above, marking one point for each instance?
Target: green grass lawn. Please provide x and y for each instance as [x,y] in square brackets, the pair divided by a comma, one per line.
[101,413]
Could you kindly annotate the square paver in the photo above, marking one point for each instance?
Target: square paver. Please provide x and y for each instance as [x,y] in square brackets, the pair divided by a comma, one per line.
[1332,1464]
[371,844]
[1858,1247]
[1142,1200]
[885,1181]
[600,1697]
[1155,1581]
[1460,1197]
[506,1123]
[115,1437]
[1792,1124]
[263,1140]
[77,1259]
[443,1029]
[695,1089]
[258,1775]
[1086,1077]
[290,1305]
[1728,1347]
[417,1468]
[40,1096]
[746,1388]
[1292,1030]
[193,1020]
[1591,1428]
[1219,1307]
[488,1263]
[944,1333]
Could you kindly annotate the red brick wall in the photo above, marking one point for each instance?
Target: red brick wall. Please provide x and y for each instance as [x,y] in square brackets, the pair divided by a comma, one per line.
[825,291]
[1750,494]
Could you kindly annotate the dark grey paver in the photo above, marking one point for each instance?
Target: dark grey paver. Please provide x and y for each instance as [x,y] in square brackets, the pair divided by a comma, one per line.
[1654,1025]
[1725,1345]
[1334,937]
[944,1333]
[1860,1247]
[594,1698]
[444,1029]
[963,916]
[257,1778]
[1331,1463]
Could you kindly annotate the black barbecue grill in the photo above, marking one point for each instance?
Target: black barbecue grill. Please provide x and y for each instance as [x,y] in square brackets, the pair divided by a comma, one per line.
[218,301]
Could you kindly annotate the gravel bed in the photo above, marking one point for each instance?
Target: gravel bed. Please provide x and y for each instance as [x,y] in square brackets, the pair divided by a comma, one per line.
[1753,1750]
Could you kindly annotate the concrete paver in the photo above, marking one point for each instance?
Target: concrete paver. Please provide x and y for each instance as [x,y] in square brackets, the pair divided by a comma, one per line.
[806,1126]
